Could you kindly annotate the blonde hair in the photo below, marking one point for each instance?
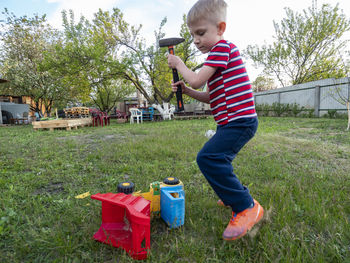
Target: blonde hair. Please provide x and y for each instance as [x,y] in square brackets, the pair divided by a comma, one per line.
[212,10]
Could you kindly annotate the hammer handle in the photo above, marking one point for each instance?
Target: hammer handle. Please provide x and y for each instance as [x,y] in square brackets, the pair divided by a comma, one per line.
[180,104]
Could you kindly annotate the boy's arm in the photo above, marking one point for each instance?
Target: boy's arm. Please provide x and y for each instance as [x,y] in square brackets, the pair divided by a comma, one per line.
[202,96]
[195,79]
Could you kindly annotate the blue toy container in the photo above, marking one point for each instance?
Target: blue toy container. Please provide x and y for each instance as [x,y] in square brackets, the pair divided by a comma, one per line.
[172,205]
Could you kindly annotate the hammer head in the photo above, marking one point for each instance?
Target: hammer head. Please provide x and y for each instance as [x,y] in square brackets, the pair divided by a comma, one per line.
[167,42]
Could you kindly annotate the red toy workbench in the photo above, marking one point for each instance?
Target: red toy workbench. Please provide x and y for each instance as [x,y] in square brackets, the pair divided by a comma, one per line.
[126,223]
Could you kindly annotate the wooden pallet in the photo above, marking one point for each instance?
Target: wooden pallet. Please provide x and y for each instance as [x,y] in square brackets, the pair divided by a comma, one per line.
[77,116]
[77,112]
[67,124]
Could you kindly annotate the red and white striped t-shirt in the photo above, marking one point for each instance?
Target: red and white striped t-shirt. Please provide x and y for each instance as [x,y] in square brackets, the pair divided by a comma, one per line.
[231,96]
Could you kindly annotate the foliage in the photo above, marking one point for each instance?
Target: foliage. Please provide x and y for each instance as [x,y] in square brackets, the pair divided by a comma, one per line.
[263,83]
[107,58]
[280,108]
[296,109]
[308,46]
[24,42]
[149,71]
[86,61]
[331,113]
[102,60]
[344,99]
[285,109]
[298,169]
[310,113]
[263,109]
[163,76]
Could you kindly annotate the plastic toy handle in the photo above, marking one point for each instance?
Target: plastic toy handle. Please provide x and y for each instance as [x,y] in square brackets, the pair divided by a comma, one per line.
[171,197]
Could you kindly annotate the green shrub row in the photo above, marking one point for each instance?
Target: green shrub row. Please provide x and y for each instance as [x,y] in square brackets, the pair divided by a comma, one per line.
[292,110]
[283,109]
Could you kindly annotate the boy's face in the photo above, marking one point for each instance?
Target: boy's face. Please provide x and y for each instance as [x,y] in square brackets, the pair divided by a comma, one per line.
[205,34]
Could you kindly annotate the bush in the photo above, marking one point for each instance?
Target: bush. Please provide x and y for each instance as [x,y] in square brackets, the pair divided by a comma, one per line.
[280,108]
[332,113]
[341,115]
[263,109]
[310,113]
[296,109]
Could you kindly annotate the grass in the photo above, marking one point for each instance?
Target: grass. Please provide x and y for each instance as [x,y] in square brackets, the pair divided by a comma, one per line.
[297,168]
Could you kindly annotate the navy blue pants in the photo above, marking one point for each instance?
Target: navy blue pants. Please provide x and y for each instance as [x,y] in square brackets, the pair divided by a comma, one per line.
[215,162]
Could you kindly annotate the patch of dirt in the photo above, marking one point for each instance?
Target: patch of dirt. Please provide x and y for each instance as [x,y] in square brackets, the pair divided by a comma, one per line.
[92,138]
[108,137]
[306,129]
[52,188]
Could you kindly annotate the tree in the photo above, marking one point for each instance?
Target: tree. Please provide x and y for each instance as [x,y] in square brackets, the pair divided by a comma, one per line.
[147,67]
[106,50]
[24,42]
[263,83]
[345,100]
[307,46]
[338,94]
[108,93]
[85,60]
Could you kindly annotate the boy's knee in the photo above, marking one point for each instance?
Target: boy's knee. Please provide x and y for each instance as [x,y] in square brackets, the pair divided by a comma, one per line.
[200,158]
[205,159]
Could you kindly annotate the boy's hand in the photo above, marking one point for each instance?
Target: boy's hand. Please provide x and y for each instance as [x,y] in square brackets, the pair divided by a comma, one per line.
[173,61]
[183,86]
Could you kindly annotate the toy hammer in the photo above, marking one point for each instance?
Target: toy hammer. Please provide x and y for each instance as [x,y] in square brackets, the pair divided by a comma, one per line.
[170,43]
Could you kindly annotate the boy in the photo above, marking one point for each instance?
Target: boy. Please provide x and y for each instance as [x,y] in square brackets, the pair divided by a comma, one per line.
[232,104]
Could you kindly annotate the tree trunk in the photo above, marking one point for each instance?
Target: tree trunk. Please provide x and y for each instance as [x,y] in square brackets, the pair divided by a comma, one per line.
[166,112]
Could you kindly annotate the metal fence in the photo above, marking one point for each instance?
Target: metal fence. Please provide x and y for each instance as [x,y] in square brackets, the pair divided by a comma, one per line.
[321,95]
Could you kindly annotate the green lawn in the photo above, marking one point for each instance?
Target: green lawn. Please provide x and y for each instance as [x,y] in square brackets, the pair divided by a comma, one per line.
[297,168]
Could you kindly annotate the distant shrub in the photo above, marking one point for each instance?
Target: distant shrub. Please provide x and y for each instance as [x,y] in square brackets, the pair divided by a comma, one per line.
[332,113]
[280,108]
[295,109]
[263,109]
[341,115]
[258,107]
[310,113]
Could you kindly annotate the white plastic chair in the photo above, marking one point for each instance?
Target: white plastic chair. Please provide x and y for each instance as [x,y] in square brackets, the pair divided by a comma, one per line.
[25,117]
[135,113]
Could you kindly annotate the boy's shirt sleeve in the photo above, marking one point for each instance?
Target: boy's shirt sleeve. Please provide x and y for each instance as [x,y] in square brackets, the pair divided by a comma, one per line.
[219,56]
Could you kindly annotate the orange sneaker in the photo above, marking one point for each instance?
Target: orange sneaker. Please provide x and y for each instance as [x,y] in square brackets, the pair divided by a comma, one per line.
[242,222]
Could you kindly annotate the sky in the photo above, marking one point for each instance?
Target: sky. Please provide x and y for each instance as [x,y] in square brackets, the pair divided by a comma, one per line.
[249,22]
